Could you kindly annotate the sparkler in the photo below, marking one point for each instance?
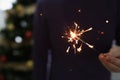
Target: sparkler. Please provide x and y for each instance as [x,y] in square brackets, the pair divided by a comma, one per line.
[73,37]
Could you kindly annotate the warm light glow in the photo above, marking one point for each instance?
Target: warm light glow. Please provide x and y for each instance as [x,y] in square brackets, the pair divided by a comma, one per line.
[74,36]
[80,48]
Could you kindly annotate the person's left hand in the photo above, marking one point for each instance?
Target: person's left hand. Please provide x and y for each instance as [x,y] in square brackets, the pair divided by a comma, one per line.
[111,60]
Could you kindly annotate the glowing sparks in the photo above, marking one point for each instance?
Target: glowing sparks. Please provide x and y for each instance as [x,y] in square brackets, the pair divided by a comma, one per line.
[68,49]
[73,37]
[79,10]
[107,21]
[80,48]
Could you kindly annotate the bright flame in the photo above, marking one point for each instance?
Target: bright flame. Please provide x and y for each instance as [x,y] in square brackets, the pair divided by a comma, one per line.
[74,36]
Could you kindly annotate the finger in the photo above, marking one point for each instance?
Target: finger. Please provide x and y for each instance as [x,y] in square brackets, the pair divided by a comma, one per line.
[111,67]
[115,61]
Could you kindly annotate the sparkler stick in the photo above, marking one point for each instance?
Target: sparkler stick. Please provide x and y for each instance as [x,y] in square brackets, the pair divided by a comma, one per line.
[73,36]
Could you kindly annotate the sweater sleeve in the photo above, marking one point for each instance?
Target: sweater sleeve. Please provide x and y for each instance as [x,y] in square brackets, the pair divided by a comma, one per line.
[41,43]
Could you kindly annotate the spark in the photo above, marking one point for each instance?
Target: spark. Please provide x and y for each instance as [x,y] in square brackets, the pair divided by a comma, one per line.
[107,21]
[68,49]
[80,48]
[73,36]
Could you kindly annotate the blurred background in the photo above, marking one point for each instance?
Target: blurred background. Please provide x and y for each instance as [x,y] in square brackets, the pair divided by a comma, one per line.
[16,17]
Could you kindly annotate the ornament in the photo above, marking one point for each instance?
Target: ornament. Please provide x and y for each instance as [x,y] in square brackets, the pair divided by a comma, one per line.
[20,10]
[16,53]
[3,58]
[10,26]
[30,9]
[28,34]
[23,24]
[18,39]
[29,64]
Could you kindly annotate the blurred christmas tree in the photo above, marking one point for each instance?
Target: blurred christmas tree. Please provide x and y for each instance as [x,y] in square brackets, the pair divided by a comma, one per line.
[16,46]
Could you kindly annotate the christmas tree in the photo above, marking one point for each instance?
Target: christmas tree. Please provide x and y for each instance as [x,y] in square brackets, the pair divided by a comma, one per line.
[16,45]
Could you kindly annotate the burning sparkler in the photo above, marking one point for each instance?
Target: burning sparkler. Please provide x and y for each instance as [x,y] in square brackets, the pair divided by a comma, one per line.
[73,36]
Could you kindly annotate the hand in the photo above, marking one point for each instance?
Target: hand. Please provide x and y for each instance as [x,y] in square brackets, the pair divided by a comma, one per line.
[111,60]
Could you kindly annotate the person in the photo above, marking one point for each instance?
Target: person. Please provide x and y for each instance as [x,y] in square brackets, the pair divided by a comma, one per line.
[52,17]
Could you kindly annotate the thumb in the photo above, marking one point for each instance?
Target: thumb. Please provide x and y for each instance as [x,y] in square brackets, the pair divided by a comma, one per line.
[102,57]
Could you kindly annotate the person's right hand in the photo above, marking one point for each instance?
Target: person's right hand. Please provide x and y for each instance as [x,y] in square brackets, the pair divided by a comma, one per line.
[111,60]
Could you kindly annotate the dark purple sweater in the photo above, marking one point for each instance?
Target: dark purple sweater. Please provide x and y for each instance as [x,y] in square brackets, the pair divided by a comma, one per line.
[51,19]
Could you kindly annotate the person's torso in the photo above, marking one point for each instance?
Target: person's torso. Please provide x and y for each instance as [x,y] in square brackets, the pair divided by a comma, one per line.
[100,14]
